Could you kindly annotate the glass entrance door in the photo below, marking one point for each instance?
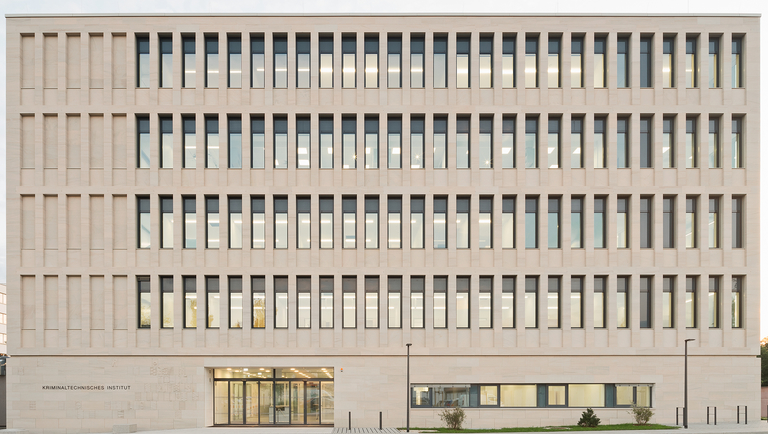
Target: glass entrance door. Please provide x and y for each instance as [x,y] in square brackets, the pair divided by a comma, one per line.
[266,409]
[251,402]
[313,403]
[297,402]
[282,402]
[236,403]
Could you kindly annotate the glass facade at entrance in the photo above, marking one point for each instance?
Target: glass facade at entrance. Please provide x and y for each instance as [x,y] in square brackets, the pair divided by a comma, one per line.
[273,396]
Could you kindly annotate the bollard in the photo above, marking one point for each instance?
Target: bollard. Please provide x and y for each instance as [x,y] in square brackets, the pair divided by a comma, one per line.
[745,415]
[738,411]
[715,415]
[707,415]
[379,420]
[350,421]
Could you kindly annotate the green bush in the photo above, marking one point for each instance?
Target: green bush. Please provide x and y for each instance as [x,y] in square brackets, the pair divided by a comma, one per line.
[642,415]
[589,419]
[453,418]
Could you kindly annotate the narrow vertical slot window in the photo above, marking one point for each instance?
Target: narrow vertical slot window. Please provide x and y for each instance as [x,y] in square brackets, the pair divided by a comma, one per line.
[417,142]
[188,61]
[508,142]
[440,63]
[349,142]
[235,222]
[600,61]
[303,72]
[212,142]
[531,222]
[531,142]
[462,222]
[394,61]
[303,142]
[142,61]
[212,305]
[508,301]
[601,223]
[394,302]
[599,143]
[190,223]
[371,142]
[577,143]
[691,223]
[417,302]
[394,222]
[440,142]
[257,61]
[349,302]
[211,61]
[394,142]
[508,222]
[598,303]
[736,302]
[235,302]
[646,156]
[691,144]
[462,142]
[508,61]
[646,289]
[737,159]
[486,142]
[235,64]
[190,142]
[281,302]
[349,217]
[303,302]
[440,223]
[531,302]
[553,222]
[371,222]
[714,142]
[577,61]
[577,223]
[646,62]
[257,142]
[326,142]
[235,142]
[371,302]
[259,302]
[166,61]
[326,222]
[212,223]
[622,62]
[280,47]
[668,62]
[713,300]
[348,61]
[486,62]
[531,61]
[737,223]
[280,144]
[485,303]
[669,222]
[690,301]
[737,79]
[143,142]
[553,143]
[417,222]
[462,302]
[144,222]
[553,62]
[577,304]
[668,302]
[190,301]
[485,223]
[668,143]
[166,222]
[145,301]
[326,302]
[281,222]
[691,63]
[303,222]
[417,61]
[714,222]
[326,61]
[714,62]
[622,143]
[166,142]
[462,62]
[622,302]
[622,222]
[371,47]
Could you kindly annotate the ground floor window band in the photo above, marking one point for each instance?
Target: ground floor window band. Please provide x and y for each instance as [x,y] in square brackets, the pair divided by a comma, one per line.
[273,396]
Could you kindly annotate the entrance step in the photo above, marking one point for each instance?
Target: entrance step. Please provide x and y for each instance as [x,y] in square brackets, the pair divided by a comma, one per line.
[365,431]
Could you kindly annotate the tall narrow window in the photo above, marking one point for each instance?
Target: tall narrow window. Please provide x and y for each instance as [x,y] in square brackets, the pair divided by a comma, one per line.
[326,302]
[349,216]
[508,61]
[668,302]
[622,302]
[737,160]
[577,223]
[485,303]
[486,142]
[190,142]
[348,61]
[394,222]
[394,302]
[142,61]
[646,222]
[394,142]
[668,62]
[280,143]
[303,72]
[235,142]
[462,222]
[622,61]
[349,142]
[531,61]
[259,302]
[714,223]
[531,302]
[166,61]
[440,142]
[622,143]
[440,63]
[257,61]
[440,223]
[326,61]
[212,142]
[462,62]
[280,59]
[417,302]
[691,63]
[691,144]
[622,222]
[690,301]
[646,289]
[258,223]
[553,223]
[349,302]
[485,67]
[531,222]
[326,142]
[281,302]
[600,143]
[737,222]
[646,62]
[577,141]
[166,142]
[144,222]
[600,61]
[462,301]
[601,223]
[145,301]
[235,64]
[212,309]
[577,61]
[257,142]
[508,142]
[669,222]
[713,301]
[417,61]
[303,222]
[166,304]
[371,222]
[235,223]
[646,155]
[736,302]
[190,223]
[371,61]
[531,142]
[212,223]
[508,301]
[417,222]
[371,142]
[190,301]
[235,302]
[553,62]
[462,142]
[417,142]
[326,222]
[371,302]
[508,222]
[303,145]
[598,303]
[714,61]
[485,223]
[394,60]
[211,61]
[553,143]
[303,302]
[668,143]
[737,78]
[691,223]
[281,222]
[553,302]
[577,304]
[142,142]
[188,61]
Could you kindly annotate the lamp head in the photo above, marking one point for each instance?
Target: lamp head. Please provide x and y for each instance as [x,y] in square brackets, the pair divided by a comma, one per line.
[408,345]
[688,340]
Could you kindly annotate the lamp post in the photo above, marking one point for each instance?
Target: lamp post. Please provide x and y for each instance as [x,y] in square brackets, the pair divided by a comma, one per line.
[408,381]
[685,407]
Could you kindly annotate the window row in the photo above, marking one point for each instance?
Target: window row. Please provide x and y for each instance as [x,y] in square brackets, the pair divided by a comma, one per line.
[530,395]
[384,216]
[494,146]
[383,302]
[475,65]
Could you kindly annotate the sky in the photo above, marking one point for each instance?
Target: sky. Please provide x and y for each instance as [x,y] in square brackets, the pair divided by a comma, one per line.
[405,6]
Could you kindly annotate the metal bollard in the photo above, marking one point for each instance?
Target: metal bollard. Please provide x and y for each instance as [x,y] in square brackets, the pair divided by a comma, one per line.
[738,413]
[379,420]
[350,421]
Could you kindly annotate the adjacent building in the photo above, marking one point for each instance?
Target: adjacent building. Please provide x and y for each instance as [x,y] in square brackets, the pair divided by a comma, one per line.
[244,219]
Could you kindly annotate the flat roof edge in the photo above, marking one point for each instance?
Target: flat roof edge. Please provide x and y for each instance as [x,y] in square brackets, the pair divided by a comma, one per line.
[452,14]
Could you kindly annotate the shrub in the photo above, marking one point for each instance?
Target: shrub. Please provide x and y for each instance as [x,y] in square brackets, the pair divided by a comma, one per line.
[589,419]
[453,418]
[641,414]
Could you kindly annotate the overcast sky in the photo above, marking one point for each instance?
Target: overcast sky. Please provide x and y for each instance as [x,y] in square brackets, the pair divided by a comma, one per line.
[395,6]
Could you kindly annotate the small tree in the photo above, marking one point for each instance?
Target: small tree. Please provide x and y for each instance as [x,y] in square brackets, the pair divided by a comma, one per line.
[589,419]
[454,418]
[641,414]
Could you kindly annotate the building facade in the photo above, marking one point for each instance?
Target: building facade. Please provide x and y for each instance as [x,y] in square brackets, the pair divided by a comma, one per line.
[243,220]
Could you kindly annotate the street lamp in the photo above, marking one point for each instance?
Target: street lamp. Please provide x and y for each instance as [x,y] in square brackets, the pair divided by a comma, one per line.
[685,408]
[408,380]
